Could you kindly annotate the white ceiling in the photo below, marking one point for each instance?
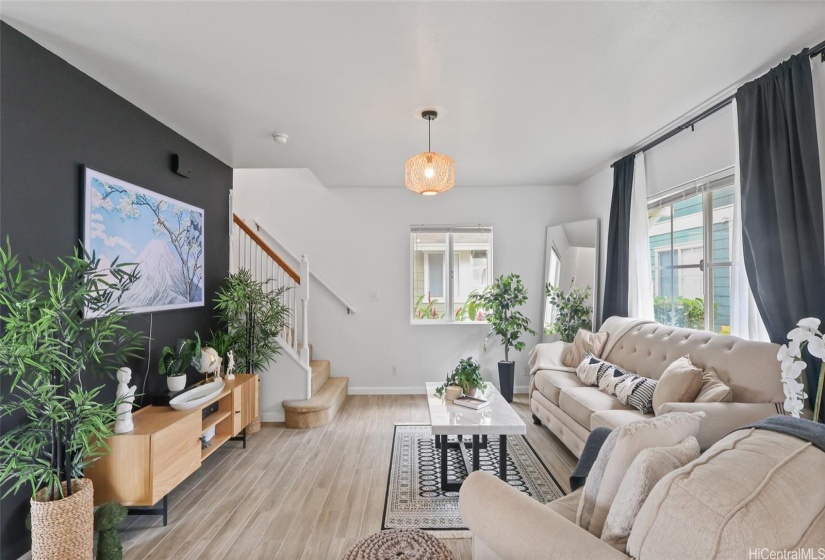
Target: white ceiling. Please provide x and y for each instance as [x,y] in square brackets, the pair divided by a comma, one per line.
[529,93]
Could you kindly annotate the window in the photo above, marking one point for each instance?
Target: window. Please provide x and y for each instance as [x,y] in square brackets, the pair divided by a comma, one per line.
[690,255]
[448,264]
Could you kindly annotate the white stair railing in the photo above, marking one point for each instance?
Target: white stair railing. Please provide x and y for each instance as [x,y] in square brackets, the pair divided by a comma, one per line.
[248,251]
[311,272]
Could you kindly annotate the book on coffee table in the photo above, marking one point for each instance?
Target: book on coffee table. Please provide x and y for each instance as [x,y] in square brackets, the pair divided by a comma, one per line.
[471,402]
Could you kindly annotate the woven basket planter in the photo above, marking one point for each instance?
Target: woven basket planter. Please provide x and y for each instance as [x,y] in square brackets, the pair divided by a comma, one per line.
[254,426]
[64,529]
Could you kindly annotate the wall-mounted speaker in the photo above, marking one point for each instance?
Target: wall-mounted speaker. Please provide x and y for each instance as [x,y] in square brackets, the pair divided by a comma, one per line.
[180,166]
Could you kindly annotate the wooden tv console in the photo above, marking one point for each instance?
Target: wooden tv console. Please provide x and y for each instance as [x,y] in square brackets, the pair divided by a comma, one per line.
[165,447]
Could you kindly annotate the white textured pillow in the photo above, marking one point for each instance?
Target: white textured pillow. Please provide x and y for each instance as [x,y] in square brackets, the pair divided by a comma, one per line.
[649,466]
[617,454]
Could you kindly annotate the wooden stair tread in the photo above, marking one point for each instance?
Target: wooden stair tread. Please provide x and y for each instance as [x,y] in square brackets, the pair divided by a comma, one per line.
[322,400]
[320,409]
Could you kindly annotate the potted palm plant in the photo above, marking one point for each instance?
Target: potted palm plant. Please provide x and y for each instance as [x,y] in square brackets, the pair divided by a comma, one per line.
[499,303]
[62,324]
[253,315]
[175,361]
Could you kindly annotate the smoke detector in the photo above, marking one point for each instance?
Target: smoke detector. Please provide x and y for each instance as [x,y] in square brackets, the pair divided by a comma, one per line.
[280,138]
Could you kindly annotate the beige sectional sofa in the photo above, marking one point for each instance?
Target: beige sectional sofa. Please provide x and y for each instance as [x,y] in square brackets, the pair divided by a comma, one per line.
[753,492]
[570,409]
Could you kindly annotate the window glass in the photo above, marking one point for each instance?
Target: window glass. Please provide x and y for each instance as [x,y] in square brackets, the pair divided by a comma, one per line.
[690,256]
[440,285]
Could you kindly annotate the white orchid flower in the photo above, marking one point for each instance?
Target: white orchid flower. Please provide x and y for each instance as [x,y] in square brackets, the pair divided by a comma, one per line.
[809,323]
[792,388]
[795,348]
[799,335]
[794,406]
[787,363]
[816,347]
[794,370]
[783,354]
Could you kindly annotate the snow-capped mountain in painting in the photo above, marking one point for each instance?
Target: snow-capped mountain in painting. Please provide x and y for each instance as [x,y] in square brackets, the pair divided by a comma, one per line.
[160,279]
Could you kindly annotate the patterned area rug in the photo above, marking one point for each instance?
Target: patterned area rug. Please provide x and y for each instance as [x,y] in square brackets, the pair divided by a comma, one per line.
[414,496]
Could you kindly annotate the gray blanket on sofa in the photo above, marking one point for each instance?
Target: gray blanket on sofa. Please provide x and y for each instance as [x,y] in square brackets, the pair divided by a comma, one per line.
[796,427]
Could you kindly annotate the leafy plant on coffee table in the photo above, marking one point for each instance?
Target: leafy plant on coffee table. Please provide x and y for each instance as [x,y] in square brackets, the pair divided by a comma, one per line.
[467,374]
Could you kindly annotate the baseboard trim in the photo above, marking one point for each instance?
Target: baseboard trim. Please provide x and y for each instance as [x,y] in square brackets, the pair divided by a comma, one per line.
[272,417]
[419,390]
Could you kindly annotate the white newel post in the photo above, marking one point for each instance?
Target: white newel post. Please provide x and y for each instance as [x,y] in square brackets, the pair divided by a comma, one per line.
[304,295]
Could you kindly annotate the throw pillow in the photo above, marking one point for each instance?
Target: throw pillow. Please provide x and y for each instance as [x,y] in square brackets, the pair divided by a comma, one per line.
[714,389]
[631,389]
[680,382]
[617,454]
[649,466]
[584,342]
[591,370]
[637,391]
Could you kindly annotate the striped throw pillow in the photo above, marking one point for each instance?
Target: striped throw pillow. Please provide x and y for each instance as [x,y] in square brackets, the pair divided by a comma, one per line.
[592,370]
[631,389]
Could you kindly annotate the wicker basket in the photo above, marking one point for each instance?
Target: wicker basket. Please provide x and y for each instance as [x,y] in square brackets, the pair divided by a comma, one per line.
[254,427]
[64,529]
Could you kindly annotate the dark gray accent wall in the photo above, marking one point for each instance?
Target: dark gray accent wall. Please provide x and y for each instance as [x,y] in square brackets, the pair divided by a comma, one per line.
[53,120]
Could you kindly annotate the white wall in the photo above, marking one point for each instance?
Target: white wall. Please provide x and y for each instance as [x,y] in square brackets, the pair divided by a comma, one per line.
[594,202]
[686,156]
[690,155]
[358,240]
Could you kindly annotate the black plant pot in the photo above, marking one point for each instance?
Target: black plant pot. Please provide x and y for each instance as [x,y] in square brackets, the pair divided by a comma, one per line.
[506,378]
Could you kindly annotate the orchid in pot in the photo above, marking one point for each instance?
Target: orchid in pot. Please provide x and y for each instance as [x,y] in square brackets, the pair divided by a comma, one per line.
[806,334]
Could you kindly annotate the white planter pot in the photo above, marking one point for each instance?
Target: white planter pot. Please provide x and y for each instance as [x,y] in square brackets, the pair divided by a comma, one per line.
[176,383]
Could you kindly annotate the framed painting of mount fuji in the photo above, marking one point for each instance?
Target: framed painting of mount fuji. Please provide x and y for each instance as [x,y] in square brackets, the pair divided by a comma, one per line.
[163,236]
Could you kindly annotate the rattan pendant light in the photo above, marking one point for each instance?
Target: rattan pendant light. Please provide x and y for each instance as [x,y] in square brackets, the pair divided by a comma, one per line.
[429,173]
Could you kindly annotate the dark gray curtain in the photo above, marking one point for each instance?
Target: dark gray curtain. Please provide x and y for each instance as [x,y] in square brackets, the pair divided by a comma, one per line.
[782,199]
[618,240]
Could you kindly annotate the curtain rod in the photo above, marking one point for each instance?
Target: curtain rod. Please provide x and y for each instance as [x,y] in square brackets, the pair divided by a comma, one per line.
[812,52]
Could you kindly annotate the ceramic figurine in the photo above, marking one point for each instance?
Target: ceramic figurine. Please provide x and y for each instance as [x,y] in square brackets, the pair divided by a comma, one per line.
[230,365]
[126,397]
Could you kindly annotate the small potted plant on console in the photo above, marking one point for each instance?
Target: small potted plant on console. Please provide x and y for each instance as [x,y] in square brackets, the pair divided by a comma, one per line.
[175,361]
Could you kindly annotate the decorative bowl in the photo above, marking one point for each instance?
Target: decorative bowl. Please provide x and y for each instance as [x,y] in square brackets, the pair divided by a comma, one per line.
[197,396]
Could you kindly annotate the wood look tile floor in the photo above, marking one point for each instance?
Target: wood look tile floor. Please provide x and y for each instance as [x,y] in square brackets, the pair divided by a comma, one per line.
[301,494]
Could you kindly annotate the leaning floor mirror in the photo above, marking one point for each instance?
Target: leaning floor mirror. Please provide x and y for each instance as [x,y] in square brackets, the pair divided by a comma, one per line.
[571,279]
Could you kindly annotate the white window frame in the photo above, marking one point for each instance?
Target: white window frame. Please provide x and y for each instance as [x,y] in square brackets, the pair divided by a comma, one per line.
[555,277]
[704,186]
[451,270]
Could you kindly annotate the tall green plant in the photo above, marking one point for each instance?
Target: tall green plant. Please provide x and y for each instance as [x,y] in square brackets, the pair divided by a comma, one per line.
[571,311]
[46,346]
[253,316]
[499,302]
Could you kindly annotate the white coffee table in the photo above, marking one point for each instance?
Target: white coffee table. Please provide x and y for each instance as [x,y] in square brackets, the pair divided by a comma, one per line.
[446,419]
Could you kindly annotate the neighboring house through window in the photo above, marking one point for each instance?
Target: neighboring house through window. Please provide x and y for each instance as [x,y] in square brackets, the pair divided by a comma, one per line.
[690,254]
[448,264]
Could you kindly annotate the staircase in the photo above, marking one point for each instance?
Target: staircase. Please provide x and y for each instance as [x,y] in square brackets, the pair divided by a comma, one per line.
[328,394]
[309,397]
